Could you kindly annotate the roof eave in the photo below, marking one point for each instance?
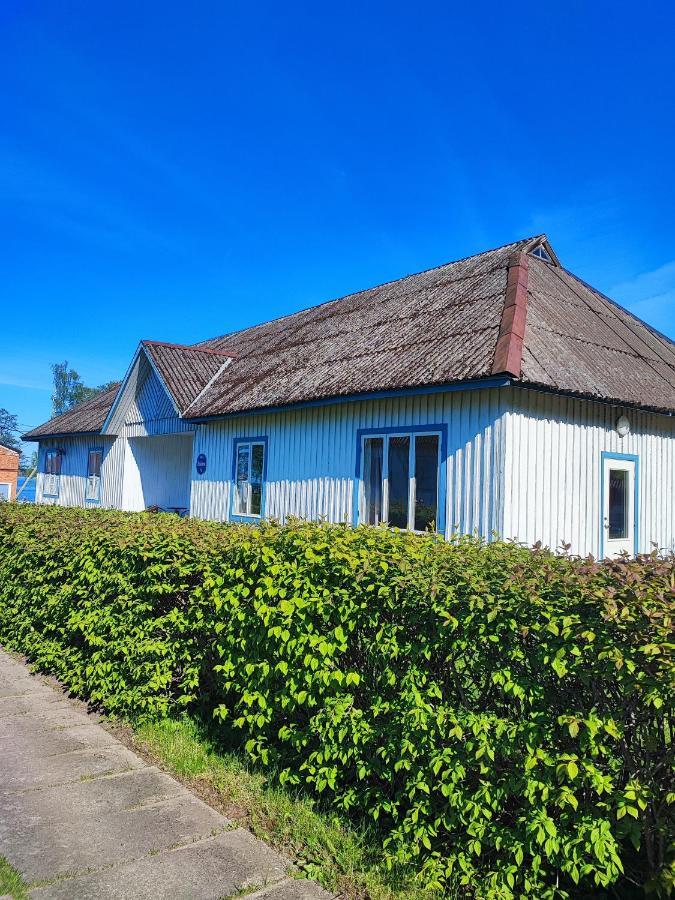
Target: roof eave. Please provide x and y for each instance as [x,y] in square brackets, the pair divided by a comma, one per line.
[593,398]
[489,381]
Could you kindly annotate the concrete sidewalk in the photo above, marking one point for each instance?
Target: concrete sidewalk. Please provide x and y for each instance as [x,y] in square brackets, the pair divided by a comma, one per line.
[81,816]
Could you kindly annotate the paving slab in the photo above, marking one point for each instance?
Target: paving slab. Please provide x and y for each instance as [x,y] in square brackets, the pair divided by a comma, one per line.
[228,864]
[291,889]
[83,817]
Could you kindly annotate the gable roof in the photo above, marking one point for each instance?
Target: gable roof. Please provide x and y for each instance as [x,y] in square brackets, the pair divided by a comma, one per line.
[9,449]
[503,312]
[186,371]
[85,418]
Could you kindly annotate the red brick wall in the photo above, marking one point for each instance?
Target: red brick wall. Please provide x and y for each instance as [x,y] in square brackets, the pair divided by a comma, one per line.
[9,469]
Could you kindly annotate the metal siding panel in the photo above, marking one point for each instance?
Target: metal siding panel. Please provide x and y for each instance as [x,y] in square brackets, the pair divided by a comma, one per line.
[73,478]
[312,455]
[552,477]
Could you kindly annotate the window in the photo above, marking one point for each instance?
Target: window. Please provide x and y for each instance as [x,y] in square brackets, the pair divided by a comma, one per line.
[249,477]
[50,487]
[93,489]
[540,251]
[401,480]
[5,491]
[618,504]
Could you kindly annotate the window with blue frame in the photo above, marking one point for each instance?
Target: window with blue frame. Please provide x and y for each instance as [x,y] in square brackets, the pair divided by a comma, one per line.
[249,477]
[94,462]
[401,479]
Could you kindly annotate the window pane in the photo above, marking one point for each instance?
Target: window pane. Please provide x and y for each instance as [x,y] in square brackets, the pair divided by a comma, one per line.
[94,463]
[52,463]
[618,504]
[373,451]
[243,455]
[399,481]
[257,460]
[426,481]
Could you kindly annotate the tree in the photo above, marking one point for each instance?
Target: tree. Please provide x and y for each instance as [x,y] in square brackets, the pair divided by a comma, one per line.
[9,426]
[69,389]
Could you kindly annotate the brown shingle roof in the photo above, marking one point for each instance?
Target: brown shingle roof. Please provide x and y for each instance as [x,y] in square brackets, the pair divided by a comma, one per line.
[435,327]
[186,371]
[85,418]
[454,323]
[579,341]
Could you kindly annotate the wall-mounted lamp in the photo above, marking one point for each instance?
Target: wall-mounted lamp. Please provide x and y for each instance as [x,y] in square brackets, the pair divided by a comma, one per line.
[622,426]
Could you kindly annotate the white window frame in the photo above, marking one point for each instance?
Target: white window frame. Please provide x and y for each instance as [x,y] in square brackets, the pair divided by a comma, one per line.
[8,485]
[386,436]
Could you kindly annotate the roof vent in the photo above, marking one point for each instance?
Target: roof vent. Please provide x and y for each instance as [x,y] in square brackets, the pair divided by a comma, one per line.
[540,251]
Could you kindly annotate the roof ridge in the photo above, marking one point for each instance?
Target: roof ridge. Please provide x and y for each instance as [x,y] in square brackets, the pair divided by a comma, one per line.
[452,262]
[194,347]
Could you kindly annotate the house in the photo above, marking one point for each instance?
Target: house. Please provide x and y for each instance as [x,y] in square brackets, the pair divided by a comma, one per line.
[499,394]
[9,472]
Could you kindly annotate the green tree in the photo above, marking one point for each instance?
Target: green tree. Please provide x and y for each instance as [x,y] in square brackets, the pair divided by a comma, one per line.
[9,426]
[69,389]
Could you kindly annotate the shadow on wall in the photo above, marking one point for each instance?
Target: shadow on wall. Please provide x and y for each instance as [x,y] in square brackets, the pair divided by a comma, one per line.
[159,472]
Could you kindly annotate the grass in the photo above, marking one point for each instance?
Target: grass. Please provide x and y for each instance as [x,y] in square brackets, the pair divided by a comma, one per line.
[11,881]
[345,860]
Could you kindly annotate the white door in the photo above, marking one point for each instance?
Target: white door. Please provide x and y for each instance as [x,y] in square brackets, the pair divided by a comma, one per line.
[619,506]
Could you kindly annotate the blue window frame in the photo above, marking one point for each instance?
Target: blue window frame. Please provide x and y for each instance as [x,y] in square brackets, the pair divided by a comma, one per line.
[400,476]
[249,478]
[627,457]
[52,472]
[94,465]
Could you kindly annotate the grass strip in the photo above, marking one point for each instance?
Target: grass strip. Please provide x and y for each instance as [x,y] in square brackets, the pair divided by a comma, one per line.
[11,881]
[345,860]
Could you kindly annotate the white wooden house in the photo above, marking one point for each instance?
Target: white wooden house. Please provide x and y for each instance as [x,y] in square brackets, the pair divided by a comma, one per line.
[499,394]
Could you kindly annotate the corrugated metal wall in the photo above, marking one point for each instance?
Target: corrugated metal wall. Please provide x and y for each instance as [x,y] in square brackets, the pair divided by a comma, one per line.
[553,465]
[519,463]
[312,456]
[74,463]
[157,472]
[151,410]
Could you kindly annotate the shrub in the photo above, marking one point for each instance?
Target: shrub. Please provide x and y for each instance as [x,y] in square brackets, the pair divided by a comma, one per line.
[504,714]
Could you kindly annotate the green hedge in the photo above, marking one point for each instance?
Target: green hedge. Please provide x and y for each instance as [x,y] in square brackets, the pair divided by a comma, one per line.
[503,714]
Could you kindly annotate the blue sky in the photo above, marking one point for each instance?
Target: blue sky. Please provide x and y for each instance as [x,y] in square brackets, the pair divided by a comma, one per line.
[175,171]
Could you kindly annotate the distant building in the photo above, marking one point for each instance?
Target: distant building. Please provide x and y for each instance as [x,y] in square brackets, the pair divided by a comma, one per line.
[9,472]
[499,394]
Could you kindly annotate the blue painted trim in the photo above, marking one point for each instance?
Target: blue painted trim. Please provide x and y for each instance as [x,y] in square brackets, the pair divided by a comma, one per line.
[478,384]
[258,439]
[432,428]
[44,472]
[60,434]
[627,457]
[96,500]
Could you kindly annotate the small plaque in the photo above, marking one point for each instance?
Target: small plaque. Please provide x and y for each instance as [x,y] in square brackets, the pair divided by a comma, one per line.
[201,463]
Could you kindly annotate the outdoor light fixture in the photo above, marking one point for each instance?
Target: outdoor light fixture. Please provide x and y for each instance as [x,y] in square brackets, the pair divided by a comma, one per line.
[622,426]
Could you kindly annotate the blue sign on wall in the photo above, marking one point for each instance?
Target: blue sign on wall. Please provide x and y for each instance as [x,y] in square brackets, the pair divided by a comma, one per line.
[201,463]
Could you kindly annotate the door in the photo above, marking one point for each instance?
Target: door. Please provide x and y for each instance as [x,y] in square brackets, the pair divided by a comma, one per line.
[619,512]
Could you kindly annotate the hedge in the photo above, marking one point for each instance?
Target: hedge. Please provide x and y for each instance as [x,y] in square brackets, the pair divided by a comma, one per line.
[504,715]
